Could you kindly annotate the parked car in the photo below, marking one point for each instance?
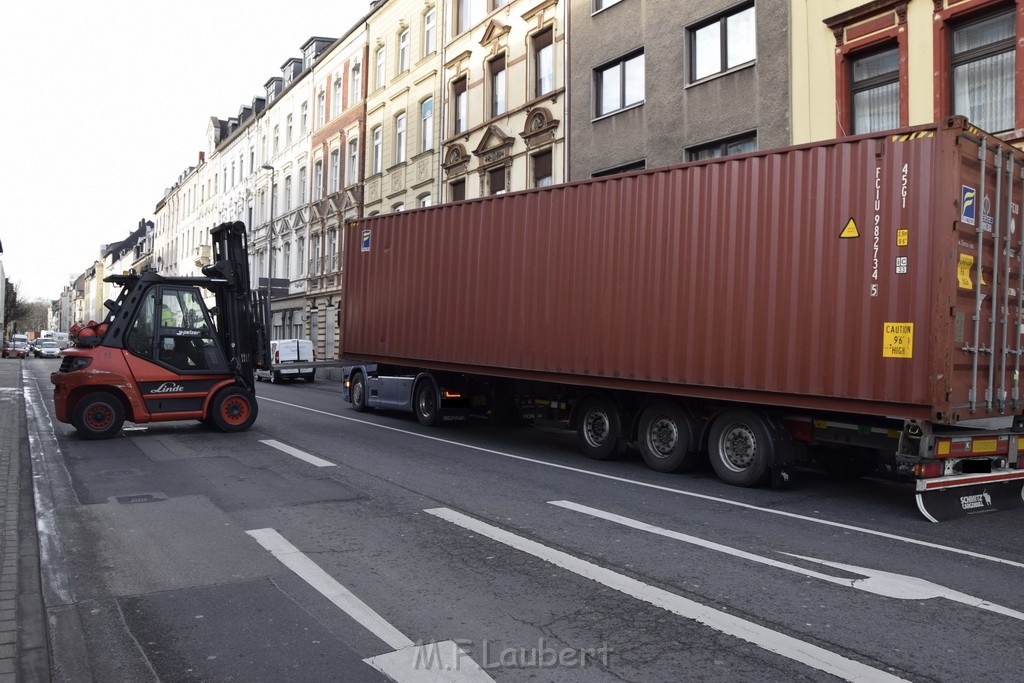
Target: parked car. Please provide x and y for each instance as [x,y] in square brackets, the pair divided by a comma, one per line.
[285,355]
[46,348]
[15,348]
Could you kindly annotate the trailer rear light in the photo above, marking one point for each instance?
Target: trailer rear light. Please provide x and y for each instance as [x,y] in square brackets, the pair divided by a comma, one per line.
[947,447]
[928,470]
[277,356]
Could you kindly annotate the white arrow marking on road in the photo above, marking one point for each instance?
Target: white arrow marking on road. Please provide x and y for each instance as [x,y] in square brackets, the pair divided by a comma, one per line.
[409,663]
[878,582]
[786,646]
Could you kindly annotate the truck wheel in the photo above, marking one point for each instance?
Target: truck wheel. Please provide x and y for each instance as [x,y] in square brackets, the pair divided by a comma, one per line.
[667,437]
[599,428]
[425,403]
[310,378]
[358,393]
[98,415]
[741,446]
[275,377]
[233,409]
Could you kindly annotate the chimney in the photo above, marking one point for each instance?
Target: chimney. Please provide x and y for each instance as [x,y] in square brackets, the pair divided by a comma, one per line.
[202,157]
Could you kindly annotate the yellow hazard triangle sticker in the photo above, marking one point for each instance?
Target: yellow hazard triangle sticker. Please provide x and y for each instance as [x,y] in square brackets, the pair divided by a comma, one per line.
[850,231]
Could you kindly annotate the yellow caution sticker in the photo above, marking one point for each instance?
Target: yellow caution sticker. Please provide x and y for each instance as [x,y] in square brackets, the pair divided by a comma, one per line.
[902,237]
[898,340]
[963,271]
[850,231]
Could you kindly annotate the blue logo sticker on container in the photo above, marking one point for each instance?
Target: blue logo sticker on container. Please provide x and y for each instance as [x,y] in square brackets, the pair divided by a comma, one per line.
[366,241]
[968,204]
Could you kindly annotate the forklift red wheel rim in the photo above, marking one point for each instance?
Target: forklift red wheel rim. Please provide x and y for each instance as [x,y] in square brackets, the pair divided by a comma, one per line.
[99,416]
[235,410]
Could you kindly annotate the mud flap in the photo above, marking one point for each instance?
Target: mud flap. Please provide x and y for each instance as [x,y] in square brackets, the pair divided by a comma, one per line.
[964,501]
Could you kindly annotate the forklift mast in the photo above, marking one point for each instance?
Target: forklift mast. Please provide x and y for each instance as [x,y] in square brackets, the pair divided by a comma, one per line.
[241,311]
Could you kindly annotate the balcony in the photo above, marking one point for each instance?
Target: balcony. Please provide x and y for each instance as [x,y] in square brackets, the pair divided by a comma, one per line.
[203,254]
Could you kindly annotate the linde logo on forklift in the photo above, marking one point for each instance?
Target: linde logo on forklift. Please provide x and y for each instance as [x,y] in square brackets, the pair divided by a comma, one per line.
[167,388]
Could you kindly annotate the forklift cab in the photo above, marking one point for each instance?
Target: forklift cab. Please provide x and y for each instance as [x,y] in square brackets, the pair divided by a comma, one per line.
[174,328]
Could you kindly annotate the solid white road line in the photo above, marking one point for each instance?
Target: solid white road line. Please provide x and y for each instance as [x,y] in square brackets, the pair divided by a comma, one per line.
[875,581]
[311,573]
[657,487]
[410,662]
[773,641]
[311,459]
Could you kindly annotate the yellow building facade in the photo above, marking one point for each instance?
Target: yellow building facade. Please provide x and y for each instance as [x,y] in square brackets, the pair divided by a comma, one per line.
[861,67]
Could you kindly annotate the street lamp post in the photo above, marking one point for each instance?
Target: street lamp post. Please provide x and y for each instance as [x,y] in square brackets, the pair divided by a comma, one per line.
[270,246]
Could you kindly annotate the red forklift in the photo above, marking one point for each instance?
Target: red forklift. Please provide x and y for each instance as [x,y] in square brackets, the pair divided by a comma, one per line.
[163,354]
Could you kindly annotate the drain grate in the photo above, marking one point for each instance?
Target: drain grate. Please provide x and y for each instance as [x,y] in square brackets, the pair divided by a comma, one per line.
[137,498]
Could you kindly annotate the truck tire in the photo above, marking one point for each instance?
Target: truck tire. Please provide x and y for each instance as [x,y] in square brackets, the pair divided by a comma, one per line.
[233,409]
[741,444]
[598,428]
[667,437]
[424,403]
[275,377]
[310,378]
[98,415]
[358,393]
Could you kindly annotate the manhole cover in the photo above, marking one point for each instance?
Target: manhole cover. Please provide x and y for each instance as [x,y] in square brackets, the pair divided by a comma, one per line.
[140,498]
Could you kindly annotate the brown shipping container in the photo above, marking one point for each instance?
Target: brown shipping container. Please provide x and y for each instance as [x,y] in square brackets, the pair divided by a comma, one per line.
[836,276]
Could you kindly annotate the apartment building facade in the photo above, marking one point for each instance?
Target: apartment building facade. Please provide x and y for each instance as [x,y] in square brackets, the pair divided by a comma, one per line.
[336,155]
[404,75]
[505,96]
[659,82]
[861,67]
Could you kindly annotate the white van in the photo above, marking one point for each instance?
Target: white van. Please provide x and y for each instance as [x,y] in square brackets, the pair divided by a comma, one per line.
[290,359]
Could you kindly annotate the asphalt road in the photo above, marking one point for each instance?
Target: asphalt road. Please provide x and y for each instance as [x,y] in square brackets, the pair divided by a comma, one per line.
[358,543]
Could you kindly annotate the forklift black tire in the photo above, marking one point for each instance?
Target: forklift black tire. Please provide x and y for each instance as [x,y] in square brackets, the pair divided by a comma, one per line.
[98,415]
[233,409]
[424,403]
[358,393]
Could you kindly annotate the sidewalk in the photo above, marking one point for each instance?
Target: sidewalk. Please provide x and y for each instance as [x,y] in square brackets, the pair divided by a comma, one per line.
[24,654]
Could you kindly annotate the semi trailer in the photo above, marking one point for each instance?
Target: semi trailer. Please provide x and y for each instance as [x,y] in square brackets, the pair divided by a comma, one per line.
[855,302]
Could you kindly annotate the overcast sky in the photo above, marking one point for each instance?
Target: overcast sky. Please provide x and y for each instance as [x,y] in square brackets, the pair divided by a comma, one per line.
[106,102]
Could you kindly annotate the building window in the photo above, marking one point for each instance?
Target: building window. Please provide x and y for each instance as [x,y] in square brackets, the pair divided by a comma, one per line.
[544,62]
[424,201]
[460,106]
[277,139]
[288,130]
[429,32]
[378,74]
[496,4]
[355,82]
[427,124]
[335,171]
[496,180]
[602,4]
[398,207]
[333,246]
[400,138]
[403,51]
[542,176]
[378,156]
[353,161]
[303,186]
[318,262]
[984,68]
[304,118]
[318,180]
[620,84]
[288,193]
[875,91]
[497,69]
[321,109]
[740,144]
[287,257]
[457,189]
[623,168]
[336,98]
[463,15]
[300,255]
[723,43]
